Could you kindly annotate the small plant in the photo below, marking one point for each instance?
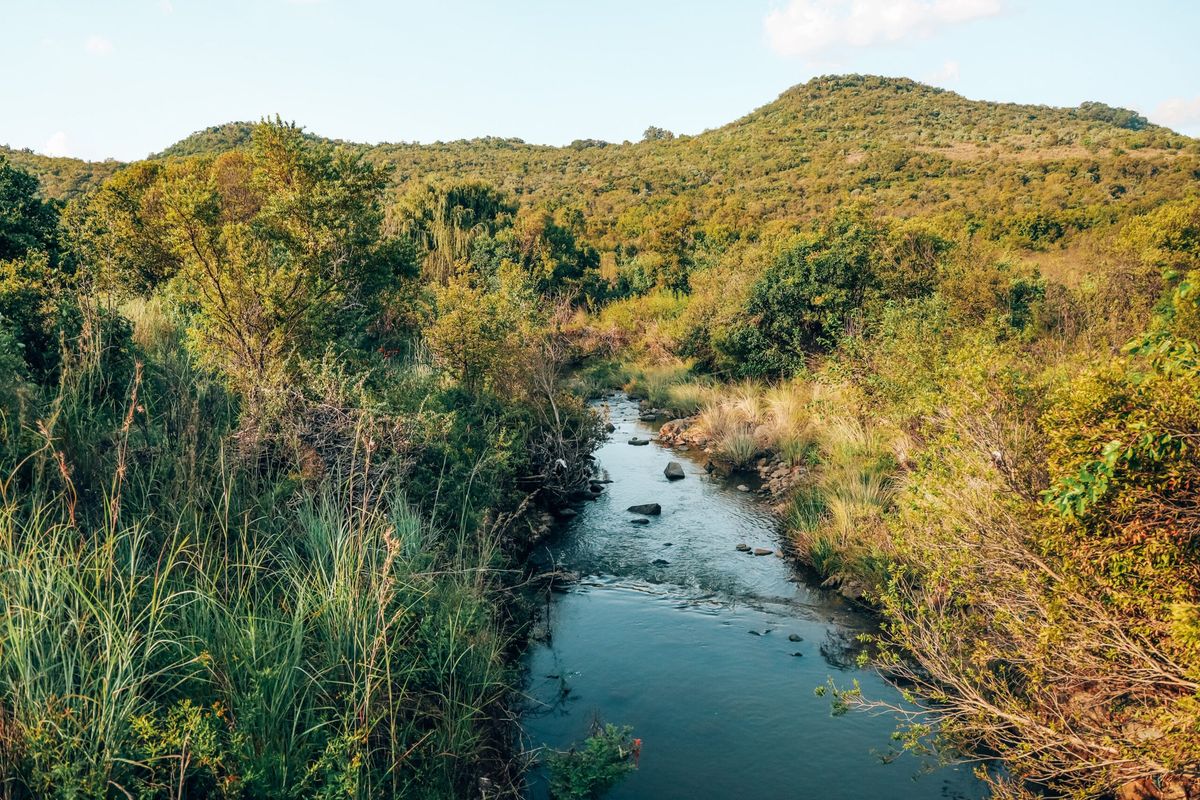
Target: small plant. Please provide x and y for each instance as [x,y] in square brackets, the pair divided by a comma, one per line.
[738,449]
[585,773]
[687,398]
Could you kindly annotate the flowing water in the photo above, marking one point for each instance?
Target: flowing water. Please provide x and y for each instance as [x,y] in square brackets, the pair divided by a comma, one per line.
[674,632]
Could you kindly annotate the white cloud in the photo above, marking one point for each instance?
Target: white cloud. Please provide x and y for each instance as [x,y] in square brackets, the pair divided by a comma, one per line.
[98,46]
[946,73]
[57,145]
[1181,113]
[812,27]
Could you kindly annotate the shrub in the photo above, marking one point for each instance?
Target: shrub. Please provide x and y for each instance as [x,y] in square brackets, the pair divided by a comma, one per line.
[738,449]
[587,773]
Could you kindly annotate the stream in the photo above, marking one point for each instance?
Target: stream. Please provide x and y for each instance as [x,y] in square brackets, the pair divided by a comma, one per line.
[674,632]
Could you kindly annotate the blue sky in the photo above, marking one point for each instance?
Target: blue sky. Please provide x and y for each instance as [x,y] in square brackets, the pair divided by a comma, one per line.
[123,78]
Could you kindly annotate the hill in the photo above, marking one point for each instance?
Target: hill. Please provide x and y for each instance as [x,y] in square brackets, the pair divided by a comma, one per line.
[911,148]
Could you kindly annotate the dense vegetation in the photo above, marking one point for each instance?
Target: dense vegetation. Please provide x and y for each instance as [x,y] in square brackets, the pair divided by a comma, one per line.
[273,405]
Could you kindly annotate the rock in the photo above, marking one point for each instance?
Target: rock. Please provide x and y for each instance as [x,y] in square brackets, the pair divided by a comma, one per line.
[708,467]
[639,521]
[754,633]
[649,509]
[795,637]
[661,562]
[742,547]
[674,471]
[639,442]
[797,655]
[852,590]
[668,544]
[595,488]
[609,427]
[683,448]
[743,487]
[763,551]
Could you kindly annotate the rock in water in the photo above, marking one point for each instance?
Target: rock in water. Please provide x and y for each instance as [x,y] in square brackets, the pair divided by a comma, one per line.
[639,521]
[762,551]
[795,637]
[674,471]
[649,509]
[636,442]
[743,487]
[609,427]
[742,548]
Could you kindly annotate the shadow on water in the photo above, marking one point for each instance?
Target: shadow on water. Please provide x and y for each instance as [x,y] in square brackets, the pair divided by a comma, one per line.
[711,654]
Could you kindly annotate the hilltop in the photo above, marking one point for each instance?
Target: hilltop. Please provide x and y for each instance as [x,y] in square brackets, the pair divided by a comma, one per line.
[912,147]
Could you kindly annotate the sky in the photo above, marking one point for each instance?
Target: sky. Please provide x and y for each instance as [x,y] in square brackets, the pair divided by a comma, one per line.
[124,78]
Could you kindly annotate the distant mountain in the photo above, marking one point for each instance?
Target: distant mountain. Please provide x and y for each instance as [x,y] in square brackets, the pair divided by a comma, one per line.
[906,146]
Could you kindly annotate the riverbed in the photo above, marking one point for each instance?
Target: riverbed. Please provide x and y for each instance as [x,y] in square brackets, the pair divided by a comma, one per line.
[712,655]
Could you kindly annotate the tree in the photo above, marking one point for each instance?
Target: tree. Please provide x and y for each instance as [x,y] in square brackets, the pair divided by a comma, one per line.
[27,223]
[444,223]
[273,253]
[804,301]
[657,134]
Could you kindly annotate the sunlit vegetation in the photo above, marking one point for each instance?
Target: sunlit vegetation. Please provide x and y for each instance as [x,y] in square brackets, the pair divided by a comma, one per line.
[272,408]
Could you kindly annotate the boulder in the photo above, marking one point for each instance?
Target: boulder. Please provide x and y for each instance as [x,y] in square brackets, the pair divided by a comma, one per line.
[648,509]
[742,547]
[763,551]
[639,442]
[674,471]
[609,427]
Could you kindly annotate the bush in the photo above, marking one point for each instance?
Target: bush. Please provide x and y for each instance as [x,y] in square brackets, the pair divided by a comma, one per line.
[606,757]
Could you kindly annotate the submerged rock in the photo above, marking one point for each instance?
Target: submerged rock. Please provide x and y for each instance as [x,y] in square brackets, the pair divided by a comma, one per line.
[674,471]
[742,547]
[639,521]
[795,637]
[649,509]
[661,562]
[743,487]
[763,551]
[639,442]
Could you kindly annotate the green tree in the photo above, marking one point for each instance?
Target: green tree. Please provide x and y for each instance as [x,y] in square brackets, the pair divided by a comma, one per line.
[806,299]
[273,253]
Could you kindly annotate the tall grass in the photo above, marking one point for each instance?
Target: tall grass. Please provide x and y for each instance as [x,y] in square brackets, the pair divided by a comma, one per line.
[837,518]
[189,626]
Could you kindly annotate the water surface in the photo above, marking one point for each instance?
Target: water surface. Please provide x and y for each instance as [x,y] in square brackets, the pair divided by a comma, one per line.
[674,632]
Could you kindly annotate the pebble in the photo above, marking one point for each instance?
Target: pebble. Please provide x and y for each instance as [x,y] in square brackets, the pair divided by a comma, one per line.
[742,547]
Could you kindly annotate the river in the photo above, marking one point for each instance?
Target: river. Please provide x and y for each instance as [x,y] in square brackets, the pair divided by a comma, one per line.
[692,643]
